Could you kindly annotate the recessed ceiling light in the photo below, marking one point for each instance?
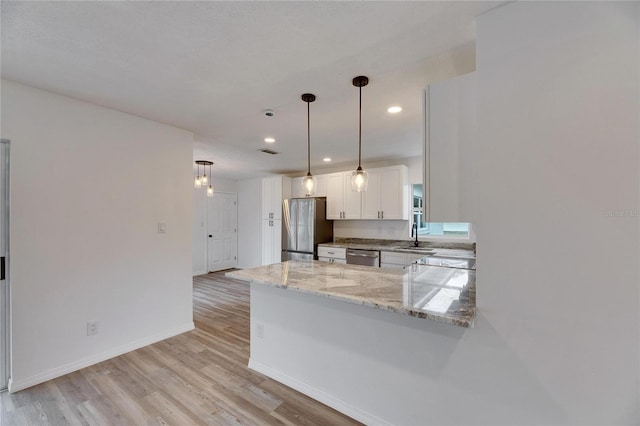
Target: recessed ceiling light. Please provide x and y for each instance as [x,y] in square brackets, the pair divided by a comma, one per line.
[394,109]
[326,159]
[269,140]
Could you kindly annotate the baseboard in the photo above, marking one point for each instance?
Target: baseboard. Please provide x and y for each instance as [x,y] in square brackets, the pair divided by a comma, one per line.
[17,385]
[317,394]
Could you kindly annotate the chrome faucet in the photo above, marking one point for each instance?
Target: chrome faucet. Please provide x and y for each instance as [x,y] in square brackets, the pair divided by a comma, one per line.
[414,231]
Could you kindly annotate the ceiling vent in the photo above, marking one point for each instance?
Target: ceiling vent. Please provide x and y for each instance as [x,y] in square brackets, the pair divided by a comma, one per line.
[267,151]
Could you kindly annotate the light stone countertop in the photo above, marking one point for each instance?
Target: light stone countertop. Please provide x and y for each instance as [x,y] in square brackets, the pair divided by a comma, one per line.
[430,292]
[404,247]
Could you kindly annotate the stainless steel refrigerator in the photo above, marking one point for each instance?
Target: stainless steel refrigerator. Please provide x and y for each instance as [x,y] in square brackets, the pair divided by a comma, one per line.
[304,226]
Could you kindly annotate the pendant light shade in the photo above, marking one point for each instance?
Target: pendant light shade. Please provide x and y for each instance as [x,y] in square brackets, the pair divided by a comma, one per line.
[201,181]
[198,181]
[359,178]
[308,182]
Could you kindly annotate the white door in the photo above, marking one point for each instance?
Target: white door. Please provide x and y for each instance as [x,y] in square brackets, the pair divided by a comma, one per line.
[4,264]
[222,212]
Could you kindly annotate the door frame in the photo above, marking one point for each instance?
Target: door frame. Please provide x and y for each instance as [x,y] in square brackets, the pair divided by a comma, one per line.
[5,300]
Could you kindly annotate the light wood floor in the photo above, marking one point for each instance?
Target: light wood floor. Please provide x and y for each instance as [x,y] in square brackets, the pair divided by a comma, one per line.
[199,377]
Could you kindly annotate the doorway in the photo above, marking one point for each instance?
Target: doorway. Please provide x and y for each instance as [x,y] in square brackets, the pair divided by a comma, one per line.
[222,230]
[5,293]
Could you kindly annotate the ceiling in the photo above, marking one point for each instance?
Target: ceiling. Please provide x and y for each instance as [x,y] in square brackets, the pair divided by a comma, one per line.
[213,67]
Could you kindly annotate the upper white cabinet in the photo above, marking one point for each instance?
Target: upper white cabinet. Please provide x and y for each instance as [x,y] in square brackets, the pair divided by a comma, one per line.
[298,192]
[450,150]
[274,190]
[386,197]
[387,194]
[342,202]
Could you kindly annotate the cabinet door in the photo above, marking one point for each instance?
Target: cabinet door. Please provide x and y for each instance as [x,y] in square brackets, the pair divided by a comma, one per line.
[296,188]
[335,195]
[352,199]
[276,197]
[276,241]
[393,193]
[267,198]
[321,188]
[371,197]
[267,242]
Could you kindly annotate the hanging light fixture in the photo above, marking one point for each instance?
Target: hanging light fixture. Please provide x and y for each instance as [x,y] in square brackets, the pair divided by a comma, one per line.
[308,182]
[198,181]
[359,178]
[202,181]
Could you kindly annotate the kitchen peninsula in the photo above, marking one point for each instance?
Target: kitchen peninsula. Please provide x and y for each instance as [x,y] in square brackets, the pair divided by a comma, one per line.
[339,333]
[430,292]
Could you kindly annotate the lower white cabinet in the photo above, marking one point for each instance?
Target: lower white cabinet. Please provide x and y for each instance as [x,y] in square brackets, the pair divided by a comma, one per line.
[393,260]
[332,254]
[271,241]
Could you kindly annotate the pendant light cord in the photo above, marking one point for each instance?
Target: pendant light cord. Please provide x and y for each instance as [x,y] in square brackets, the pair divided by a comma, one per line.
[360,131]
[308,139]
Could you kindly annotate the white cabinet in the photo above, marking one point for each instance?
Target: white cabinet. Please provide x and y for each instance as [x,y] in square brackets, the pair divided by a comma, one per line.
[298,192]
[342,202]
[393,260]
[387,194]
[274,189]
[386,197]
[332,254]
[450,150]
[271,241]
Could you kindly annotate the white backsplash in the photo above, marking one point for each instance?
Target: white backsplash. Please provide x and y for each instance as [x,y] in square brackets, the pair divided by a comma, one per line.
[376,229]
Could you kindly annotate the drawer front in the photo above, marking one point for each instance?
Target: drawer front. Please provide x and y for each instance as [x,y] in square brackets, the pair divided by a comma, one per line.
[333,252]
[332,260]
[391,257]
[391,266]
[412,258]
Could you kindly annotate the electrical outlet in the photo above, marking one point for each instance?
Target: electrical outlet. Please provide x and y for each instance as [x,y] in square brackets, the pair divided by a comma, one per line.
[92,328]
[162,227]
[260,331]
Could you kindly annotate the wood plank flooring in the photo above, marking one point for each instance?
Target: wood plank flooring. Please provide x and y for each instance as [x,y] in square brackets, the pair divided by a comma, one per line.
[196,378]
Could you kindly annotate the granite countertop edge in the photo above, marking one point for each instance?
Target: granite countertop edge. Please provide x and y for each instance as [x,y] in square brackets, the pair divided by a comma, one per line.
[444,318]
[427,251]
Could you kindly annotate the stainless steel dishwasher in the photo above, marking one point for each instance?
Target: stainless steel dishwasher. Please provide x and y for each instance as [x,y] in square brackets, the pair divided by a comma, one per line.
[363,257]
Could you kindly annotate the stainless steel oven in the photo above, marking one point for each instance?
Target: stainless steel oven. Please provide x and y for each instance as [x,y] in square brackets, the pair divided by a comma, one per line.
[363,257]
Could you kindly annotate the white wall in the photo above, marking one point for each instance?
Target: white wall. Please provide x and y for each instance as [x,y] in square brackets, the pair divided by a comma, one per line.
[556,337]
[249,223]
[88,188]
[199,227]
[558,147]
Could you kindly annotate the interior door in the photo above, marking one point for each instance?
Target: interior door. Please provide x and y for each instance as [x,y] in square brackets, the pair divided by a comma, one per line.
[222,212]
[4,265]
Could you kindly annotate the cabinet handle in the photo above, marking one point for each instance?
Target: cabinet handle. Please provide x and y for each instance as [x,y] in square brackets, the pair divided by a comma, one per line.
[382,214]
[378,215]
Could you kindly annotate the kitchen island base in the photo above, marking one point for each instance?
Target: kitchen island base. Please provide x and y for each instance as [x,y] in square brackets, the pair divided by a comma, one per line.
[373,365]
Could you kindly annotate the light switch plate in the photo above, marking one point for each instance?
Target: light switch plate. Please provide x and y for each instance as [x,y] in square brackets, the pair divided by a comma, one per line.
[162,227]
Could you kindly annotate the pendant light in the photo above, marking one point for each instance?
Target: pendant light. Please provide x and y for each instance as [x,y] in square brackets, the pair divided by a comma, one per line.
[202,181]
[308,182]
[359,178]
[198,181]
